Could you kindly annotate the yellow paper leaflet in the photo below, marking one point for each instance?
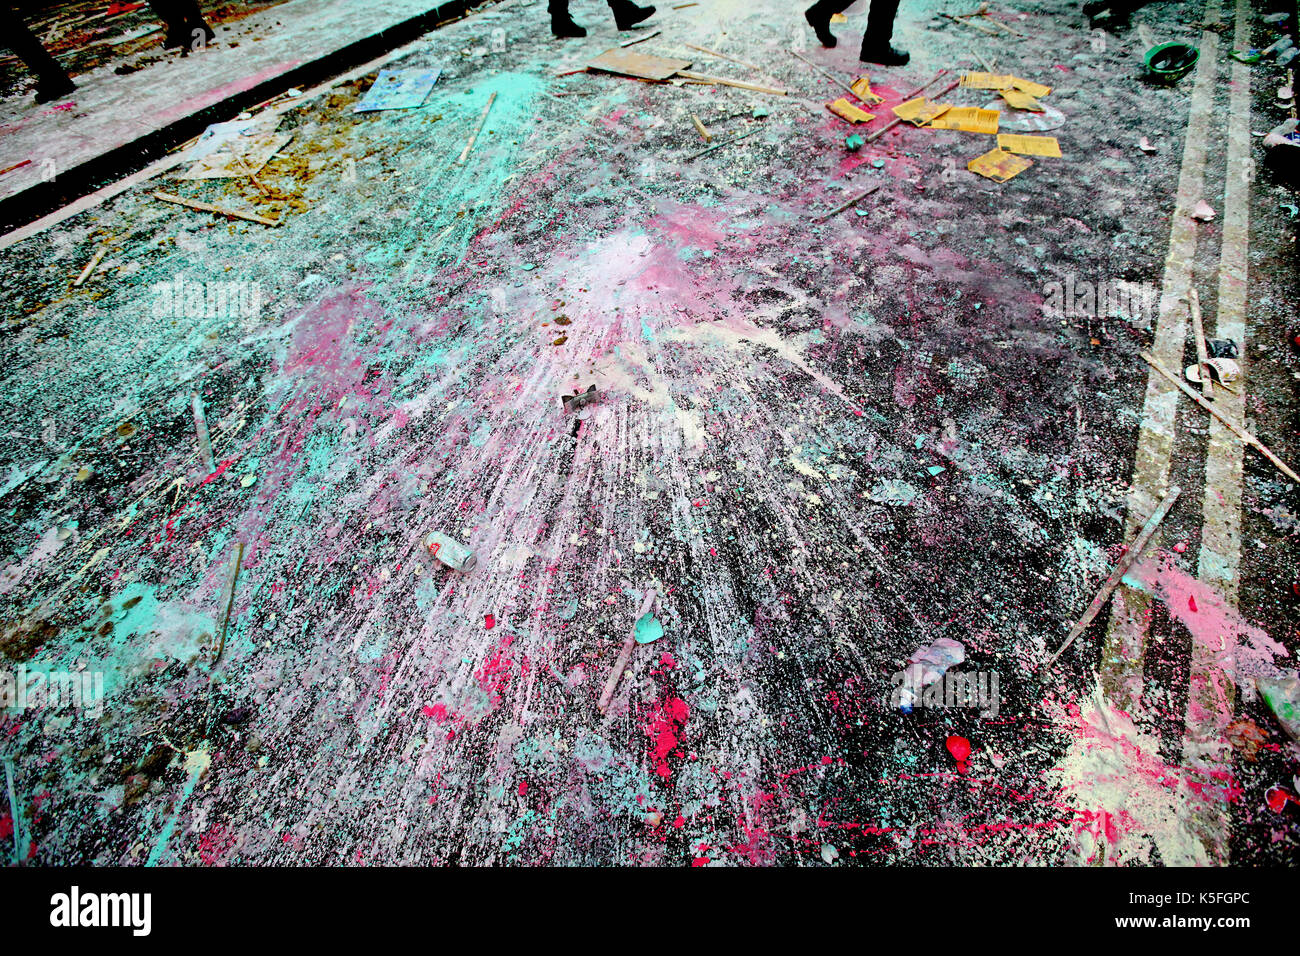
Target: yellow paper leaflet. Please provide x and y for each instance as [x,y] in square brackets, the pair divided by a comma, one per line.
[1022,101]
[1029,145]
[1036,90]
[861,87]
[987,81]
[968,119]
[848,111]
[919,112]
[999,165]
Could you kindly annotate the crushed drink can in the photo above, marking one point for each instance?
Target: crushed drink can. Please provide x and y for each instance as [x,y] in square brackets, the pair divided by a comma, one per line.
[450,551]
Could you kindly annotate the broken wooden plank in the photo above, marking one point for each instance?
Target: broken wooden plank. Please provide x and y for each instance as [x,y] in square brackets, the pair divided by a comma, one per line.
[1131,554]
[640,65]
[1202,352]
[464,155]
[1235,427]
[704,133]
[215,210]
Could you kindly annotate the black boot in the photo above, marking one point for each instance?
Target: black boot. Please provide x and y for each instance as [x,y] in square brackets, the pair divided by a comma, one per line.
[53,88]
[627,14]
[880,28]
[562,24]
[819,18]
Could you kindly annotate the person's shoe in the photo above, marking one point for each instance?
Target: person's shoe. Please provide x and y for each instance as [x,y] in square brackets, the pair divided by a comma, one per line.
[627,14]
[821,24]
[565,28]
[47,90]
[884,55]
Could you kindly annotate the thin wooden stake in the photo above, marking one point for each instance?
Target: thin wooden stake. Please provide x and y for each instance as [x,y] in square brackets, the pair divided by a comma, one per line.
[230,600]
[1236,428]
[707,136]
[474,136]
[215,210]
[723,56]
[636,40]
[1131,554]
[725,142]
[727,81]
[1202,353]
[201,429]
[625,655]
[852,202]
[90,266]
[830,76]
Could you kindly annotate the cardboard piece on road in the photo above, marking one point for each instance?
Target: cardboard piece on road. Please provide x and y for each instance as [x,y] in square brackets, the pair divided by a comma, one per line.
[398,90]
[968,119]
[238,156]
[861,88]
[1036,90]
[843,108]
[1022,101]
[987,81]
[919,112]
[999,165]
[1029,145]
[645,66]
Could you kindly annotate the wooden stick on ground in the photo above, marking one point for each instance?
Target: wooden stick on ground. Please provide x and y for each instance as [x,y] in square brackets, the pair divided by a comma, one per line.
[248,170]
[896,120]
[843,206]
[725,142]
[1235,427]
[830,76]
[215,210]
[723,56]
[90,266]
[229,602]
[460,161]
[925,86]
[727,81]
[1202,353]
[201,430]
[636,40]
[708,137]
[1131,554]
[625,655]
[974,26]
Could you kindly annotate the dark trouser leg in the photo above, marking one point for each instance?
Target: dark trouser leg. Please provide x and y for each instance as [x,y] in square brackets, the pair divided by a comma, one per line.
[880,30]
[185,23]
[819,18]
[52,79]
[562,24]
[627,13]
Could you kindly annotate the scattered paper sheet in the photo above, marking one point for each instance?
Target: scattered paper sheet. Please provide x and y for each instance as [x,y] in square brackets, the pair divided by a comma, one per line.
[1022,101]
[1029,145]
[999,165]
[987,81]
[848,111]
[398,90]
[1036,90]
[861,88]
[968,119]
[919,112]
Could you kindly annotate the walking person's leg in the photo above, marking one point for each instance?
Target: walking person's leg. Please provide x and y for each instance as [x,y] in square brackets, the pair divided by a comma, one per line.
[627,13]
[562,24]
[52,80]
[876,47]
[819,18]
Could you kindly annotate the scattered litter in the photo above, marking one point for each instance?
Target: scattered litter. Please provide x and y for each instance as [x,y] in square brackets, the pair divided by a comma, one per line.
[489,621]
[1283,698]
[1144,144]
[846,110]
[1223,371]
[229,600]
[968,119]
[1233,426]
[1022,101]
[579,400]
[829,853]
[1029,145]
[643,66]
[987,81]
[1170,62]
[1202,211]
[648,629]
[482,120]
[919,112]
[999,165]
[234,149]
[1277,799]
[959,747]
[398,90]
[861,88]
[926,667]
[450,552]
[1131,554]
[1222,348]
[215,210]
[854,142]
[625,655]
[704,133]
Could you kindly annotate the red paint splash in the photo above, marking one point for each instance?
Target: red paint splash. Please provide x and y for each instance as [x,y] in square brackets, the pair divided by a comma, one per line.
[665,727]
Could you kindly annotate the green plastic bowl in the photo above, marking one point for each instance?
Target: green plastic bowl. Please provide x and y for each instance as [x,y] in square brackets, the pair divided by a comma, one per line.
[1170,62]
